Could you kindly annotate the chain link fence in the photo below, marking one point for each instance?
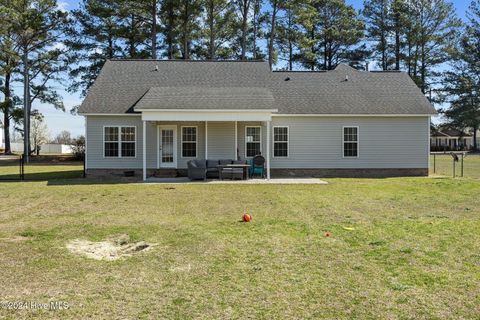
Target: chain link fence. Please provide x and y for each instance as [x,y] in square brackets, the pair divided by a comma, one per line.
[15,168]
[455,164]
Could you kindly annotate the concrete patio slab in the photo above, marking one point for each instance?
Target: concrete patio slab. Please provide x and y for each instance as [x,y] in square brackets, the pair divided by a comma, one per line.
[185,180]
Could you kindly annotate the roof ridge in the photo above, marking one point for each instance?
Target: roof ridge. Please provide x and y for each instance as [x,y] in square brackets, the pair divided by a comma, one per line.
[181,60]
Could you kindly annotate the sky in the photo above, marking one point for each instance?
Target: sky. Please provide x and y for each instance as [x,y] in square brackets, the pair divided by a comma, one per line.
[58,120]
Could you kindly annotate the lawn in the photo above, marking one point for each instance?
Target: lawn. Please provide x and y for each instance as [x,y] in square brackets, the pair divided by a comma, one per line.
[413,253]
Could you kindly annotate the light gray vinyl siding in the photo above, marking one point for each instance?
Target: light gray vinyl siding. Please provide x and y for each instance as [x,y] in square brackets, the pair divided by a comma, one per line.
[95,156]
[384,142]
[314,142]
[221,140]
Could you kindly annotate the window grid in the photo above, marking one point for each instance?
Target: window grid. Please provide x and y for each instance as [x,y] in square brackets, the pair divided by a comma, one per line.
[280,141]
[189,142]
[119,141]
[350,142]
[253,144]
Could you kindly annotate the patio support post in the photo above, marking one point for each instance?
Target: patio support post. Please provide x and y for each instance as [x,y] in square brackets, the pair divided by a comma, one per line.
[236,141]
[206,140]
[268,150]
[144,150]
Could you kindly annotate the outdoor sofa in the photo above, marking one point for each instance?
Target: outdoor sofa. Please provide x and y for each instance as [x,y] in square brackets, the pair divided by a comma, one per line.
[200,169]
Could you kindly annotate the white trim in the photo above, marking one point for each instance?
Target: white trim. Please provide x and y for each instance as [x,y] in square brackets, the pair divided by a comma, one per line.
[144,151]
[206,139]
[86,143]
[255,141]
[268,150]
[175,155]
[288,142]
[429,143]
[236,141]
[181,142]
[358,142]
[119,141]
[348,115]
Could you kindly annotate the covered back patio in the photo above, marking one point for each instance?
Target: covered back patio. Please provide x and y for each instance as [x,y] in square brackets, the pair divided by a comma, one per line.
[206,123]
[182,137]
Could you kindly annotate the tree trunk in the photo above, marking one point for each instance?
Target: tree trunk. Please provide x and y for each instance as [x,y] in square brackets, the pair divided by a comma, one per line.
[132,50]
[6,113]
[211,46]
[154,29]
[26,107]
[170,30]
[243,39]
[272,33]
[255,27]
[397,49]
[186,50]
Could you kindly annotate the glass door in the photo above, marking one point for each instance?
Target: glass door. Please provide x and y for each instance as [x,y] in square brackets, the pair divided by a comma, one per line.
[167,152]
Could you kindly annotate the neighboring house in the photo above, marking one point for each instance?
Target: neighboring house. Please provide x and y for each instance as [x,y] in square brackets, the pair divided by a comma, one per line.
[151,115]
[450,139]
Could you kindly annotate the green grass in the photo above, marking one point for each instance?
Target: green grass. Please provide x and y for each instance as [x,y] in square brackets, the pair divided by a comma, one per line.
[444,165]
[11,171]
[413,254]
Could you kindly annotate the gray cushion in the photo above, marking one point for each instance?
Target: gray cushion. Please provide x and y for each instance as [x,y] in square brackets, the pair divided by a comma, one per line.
[225,161]
[212,163]
[239,162]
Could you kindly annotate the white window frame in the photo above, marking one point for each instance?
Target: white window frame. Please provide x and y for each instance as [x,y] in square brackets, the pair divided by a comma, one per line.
[343,142]
[246,127]
[288,142]
[120,141]
[181,142]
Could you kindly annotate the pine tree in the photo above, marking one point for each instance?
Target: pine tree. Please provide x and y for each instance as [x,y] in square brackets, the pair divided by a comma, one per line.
[218,31]
[169,17]
[93,38]
[9,64]
[434,25]
[188,24]
[37,26]
[462,83]
[331,30]
[288,34]
[376,15]
[243,8]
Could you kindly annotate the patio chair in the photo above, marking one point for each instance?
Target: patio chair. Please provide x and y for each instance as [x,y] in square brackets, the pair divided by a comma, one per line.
[197,169]
[257,166]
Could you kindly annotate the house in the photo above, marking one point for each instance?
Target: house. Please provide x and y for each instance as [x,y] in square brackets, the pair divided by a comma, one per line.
[153,116]
[450,139]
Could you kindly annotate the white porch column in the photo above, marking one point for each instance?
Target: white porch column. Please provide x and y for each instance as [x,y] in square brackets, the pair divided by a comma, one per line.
[206,140]
[144,150]
[236,141]
[268,150]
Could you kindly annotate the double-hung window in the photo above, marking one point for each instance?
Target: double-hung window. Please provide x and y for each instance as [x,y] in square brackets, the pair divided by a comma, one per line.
[189,142]
[119,141]
[350,142]
[253,144]
[280,142]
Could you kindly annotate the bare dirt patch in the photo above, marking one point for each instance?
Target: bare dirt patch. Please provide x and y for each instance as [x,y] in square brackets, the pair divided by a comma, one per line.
[111,249]
[16,239]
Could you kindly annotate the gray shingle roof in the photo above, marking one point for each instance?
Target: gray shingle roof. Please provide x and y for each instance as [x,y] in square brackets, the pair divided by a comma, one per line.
[206,98]
[125,84]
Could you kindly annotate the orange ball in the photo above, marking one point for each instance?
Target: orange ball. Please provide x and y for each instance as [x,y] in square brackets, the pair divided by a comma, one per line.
[246,217]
